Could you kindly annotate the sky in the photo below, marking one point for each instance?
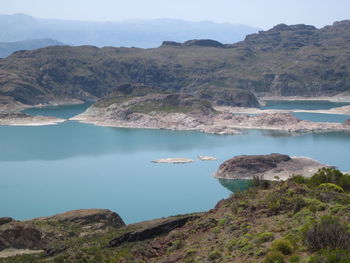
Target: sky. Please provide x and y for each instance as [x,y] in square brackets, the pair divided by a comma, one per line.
[260,13]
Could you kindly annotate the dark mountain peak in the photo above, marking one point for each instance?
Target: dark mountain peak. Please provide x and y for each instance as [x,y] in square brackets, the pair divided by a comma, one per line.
[203,43]
[299,27]
[194,42]
[343,23]
[283,36]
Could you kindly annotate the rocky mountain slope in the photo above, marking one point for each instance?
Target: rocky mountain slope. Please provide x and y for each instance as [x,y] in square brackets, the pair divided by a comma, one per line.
[271,222]
[284,61]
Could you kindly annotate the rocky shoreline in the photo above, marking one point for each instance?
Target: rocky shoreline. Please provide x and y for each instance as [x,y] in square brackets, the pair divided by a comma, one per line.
[22,119]
[226,120]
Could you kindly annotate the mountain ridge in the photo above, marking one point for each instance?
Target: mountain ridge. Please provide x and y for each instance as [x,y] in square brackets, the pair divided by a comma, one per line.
[283,61]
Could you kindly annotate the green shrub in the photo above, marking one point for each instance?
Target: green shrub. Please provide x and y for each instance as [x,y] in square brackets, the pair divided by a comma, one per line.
[282,245]
[331,256]
[274,257]
[299,179]
[325,175]
[330,187]
[214,255]
[294,259]
[344,182]
[327,233]
[315,205]
[265,237]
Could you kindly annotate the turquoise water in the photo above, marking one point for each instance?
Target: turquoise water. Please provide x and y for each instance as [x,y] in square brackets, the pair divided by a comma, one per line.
[52,169]
[310,105]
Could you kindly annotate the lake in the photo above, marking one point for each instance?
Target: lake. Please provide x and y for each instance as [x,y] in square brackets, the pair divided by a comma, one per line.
[51,169]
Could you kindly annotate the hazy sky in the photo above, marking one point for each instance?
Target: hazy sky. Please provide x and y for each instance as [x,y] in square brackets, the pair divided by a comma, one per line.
[261,13]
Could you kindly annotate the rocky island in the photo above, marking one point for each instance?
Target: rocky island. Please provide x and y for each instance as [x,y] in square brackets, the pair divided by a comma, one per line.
[138,107]
[268,167]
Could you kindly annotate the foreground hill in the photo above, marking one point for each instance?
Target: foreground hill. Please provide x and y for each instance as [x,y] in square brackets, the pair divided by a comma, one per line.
[7,48]
[132,33]
[294,60]
[302,220]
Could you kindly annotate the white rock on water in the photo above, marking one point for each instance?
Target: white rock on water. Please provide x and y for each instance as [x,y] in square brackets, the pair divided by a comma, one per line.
[207,158]
[173,160]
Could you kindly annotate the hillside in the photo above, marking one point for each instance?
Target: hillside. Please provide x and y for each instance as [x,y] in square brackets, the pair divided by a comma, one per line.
[7,48]
[286,60]
[133,33]
[298,220]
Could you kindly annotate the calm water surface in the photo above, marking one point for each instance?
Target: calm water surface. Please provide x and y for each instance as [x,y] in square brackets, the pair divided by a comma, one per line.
[310,105]
[52,169]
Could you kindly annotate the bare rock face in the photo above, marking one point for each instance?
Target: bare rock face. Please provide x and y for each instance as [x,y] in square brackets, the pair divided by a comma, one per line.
[96,218]
[21,236]
[347,122]
[5,220]
[152,229]
[267,167]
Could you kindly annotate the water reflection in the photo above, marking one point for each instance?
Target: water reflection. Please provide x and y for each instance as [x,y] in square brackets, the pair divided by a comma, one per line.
[234,185]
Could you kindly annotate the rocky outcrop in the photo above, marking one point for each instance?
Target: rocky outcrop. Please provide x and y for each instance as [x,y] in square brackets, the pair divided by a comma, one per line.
[152,229]
[41,233]
[194,43]
[347,122]
[203,43]
[21,236]
[267,167]
[229,97]
[94,218]
[5,220]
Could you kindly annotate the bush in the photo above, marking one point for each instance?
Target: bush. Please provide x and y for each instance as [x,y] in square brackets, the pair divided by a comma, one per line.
[315,205]
[331,256]
[299,179]
[344,182]
[214,255]
[282,245]
[328,233]
[294,259]
[329,187]
[325,175]
[265,237]
[274,257]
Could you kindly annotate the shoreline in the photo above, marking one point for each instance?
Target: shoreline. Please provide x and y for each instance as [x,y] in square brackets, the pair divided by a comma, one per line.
[342,97]
[227,121]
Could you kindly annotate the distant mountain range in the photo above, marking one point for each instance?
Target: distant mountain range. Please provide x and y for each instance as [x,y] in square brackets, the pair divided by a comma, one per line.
[137,33]
[296,60]
[7,48]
